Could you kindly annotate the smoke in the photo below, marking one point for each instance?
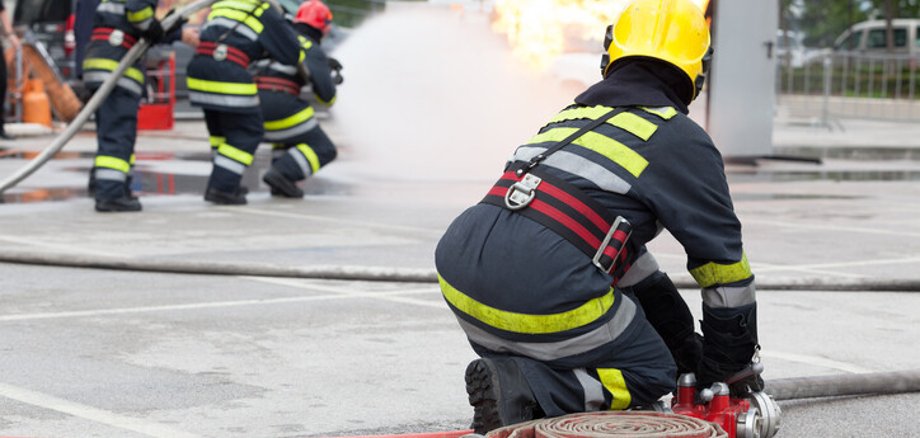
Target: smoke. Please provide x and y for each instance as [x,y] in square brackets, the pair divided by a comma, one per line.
[432,93]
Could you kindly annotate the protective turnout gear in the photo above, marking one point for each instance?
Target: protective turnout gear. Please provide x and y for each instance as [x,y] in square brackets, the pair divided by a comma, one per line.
[316,14]
[729,345]
[300,147]
[499,393]
[674,31]
[236,33]
[668,313]
[117,26]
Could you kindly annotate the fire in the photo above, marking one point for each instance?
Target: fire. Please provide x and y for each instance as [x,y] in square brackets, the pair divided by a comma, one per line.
[540,30]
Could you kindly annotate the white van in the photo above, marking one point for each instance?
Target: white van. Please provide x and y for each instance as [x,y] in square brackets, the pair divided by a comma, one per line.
[870,36]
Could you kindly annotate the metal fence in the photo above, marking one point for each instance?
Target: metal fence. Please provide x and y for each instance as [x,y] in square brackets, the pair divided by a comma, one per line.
[833,85]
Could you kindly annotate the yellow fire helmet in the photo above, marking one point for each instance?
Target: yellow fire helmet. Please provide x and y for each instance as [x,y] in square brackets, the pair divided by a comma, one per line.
[674,31]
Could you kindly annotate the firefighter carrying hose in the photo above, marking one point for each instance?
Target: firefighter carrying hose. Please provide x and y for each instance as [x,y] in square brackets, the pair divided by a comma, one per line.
[548,275]
[299,145]
[236,34]
[117,26]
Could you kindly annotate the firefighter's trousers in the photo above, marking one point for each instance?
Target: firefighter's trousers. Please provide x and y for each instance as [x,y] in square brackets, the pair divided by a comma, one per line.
[299,146]
[116,132]
[234,139]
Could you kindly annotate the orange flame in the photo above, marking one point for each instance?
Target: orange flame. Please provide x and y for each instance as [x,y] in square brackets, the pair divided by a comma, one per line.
[541,30]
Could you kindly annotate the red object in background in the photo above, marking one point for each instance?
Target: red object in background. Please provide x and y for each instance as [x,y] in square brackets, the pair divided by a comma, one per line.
[158,114]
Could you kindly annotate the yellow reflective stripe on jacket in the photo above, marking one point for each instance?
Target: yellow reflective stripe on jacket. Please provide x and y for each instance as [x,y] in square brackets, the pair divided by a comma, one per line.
[665,112]
[257,7]
[111,65]
[287,122]
[310,155]
[141,15]
[236,88]
[132,159]
[243,17]
[304,42]
[216,141]
[613,380]
[713,273]
[526,323]
[235,154]
[626,121]
[606,146]
[107,162]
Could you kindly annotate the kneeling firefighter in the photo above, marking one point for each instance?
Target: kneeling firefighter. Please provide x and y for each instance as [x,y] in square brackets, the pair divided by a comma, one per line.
[300,147]
[117,26]
[548,275]
[237,32]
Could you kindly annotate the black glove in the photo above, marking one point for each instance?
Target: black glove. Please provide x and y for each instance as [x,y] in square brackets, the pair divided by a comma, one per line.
[154,33]
[729,344]
[668,313]
[335,64]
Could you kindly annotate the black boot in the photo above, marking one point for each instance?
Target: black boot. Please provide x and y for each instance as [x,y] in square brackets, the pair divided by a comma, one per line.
[499,394]
[281,185]
[225,198]
[118,205]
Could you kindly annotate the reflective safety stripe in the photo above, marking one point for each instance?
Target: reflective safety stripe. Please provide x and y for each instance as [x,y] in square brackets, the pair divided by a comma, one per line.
[144,25]
[640,269]
[238,16]
[594,392]
[108,162]
[234,88]
[226,163]
[291,133]
[242,5]
[287,122]
[112,8]
[216,141]
[102,76]
[304,42]
[235,154]
[111,65]
[613,380]
[515,322]
[549,351]
[329,103]
[230,24]
[729,296]
[606,146]
[713,273]
[132,159]
[223,100]
[110,175]
[141,15]
[665,112]
[626,121]
[276,66]
[311,157]
[578,165]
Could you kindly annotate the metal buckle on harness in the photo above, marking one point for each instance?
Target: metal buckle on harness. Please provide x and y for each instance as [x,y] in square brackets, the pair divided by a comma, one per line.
[116,37]
[521,193]
[220,52]
[600,250]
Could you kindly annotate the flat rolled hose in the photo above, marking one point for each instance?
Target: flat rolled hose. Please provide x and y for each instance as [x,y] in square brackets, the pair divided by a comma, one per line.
[645,424]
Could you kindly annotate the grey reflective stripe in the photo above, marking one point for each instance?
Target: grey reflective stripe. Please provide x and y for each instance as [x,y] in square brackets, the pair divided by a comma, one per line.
[641,269]
[577,165]
[593,389]
[123,82]
[276,66]
[301,161]
[729,296]
[144,25]
[110,175]
[291,132]
[224,100]
[231,165]
[112,8]
[225,22]
[547,351]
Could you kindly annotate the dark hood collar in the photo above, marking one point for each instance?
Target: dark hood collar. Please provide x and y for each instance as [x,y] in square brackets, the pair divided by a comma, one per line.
[640,82]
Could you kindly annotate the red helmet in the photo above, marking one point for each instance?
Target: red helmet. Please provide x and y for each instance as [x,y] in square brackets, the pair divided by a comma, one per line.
[314,13]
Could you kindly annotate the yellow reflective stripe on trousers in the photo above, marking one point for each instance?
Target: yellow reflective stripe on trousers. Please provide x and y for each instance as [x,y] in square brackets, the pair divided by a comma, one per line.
[606,146]
[237,88]
[713,273]
[235,154]
[112,65]
[310,155]
[243,17]
[613,380]
[626,121]
[527,323]
[107,162]
[141,15]
[287,122]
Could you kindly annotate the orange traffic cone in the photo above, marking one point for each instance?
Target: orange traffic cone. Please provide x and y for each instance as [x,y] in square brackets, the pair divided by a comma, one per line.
[36,105]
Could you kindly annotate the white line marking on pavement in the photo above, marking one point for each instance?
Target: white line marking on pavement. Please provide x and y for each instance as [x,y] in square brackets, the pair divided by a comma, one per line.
[384,296]
[101,416]
[816,360]
[65,248]
[362,224]
[196,306]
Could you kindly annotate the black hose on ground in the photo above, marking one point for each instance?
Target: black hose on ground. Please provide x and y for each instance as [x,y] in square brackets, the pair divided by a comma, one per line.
[796,388]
